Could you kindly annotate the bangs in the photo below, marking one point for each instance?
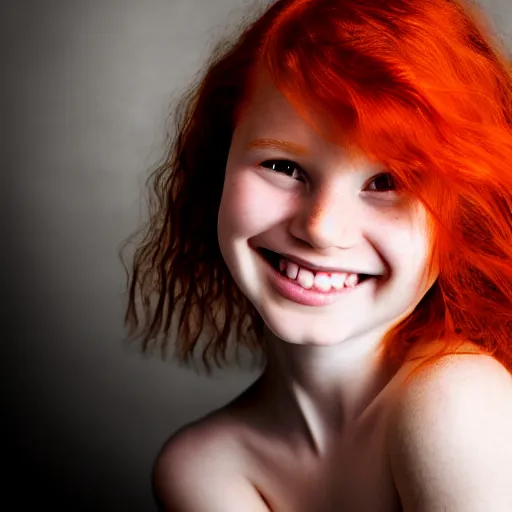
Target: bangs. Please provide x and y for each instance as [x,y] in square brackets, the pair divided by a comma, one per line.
[373,79]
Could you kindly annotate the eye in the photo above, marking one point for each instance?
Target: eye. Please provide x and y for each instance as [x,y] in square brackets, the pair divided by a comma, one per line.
[286,167]
[382,183]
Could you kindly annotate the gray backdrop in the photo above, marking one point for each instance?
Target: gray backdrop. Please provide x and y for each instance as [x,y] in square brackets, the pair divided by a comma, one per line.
[86,91]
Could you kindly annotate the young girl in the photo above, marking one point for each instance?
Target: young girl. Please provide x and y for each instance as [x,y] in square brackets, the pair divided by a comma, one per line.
[338,197]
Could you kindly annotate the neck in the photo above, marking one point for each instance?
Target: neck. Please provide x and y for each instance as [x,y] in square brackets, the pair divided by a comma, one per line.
[320,392]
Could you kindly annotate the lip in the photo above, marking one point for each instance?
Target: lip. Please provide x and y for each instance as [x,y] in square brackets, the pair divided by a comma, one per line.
[292,291]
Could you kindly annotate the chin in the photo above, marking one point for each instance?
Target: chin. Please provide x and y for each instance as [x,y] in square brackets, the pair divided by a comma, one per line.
[299,328]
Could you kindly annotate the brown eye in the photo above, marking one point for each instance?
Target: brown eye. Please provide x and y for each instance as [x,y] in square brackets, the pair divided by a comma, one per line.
[286,167]
[383,183]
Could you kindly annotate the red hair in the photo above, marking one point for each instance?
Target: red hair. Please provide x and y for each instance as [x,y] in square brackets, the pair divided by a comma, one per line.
[421,86]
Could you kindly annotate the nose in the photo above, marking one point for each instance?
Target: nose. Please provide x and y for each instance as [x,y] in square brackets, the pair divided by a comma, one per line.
[327,218]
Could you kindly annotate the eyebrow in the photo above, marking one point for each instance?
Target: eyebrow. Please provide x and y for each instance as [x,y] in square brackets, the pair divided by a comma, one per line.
[284,145]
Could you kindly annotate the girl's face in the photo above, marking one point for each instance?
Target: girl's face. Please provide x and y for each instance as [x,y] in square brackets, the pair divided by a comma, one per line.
[289,191]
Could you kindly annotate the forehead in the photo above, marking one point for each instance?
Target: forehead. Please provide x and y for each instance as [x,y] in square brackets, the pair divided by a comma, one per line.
[266,106]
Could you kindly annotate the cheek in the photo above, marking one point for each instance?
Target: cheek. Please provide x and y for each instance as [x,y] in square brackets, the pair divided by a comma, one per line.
[249,206]
[402,240]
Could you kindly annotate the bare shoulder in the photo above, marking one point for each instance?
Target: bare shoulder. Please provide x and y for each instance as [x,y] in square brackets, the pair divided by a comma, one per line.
[449,439]
[201,468]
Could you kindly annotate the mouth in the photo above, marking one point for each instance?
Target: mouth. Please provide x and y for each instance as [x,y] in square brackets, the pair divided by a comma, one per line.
[310,288]
[274,258]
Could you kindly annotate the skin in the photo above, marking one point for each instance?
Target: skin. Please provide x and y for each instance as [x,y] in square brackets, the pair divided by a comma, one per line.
[329,425]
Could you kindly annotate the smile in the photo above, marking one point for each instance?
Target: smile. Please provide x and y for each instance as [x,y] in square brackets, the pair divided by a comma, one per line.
[306,286]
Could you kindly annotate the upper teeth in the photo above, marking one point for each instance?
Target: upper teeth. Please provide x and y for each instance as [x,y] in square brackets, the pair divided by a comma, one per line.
[322,281]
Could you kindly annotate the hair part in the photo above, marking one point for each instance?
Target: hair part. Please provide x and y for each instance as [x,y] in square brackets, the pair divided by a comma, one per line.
[421,86]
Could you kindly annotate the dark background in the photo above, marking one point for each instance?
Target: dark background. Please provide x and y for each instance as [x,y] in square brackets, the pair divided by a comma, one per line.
[86,90]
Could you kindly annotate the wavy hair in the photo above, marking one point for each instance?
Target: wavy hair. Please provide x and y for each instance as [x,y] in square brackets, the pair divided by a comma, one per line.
[422,86]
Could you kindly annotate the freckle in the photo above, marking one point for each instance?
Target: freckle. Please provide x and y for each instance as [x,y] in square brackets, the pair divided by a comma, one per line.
[317,210]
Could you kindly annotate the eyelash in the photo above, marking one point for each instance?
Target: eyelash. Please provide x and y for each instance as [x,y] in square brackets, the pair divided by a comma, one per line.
[294,166]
